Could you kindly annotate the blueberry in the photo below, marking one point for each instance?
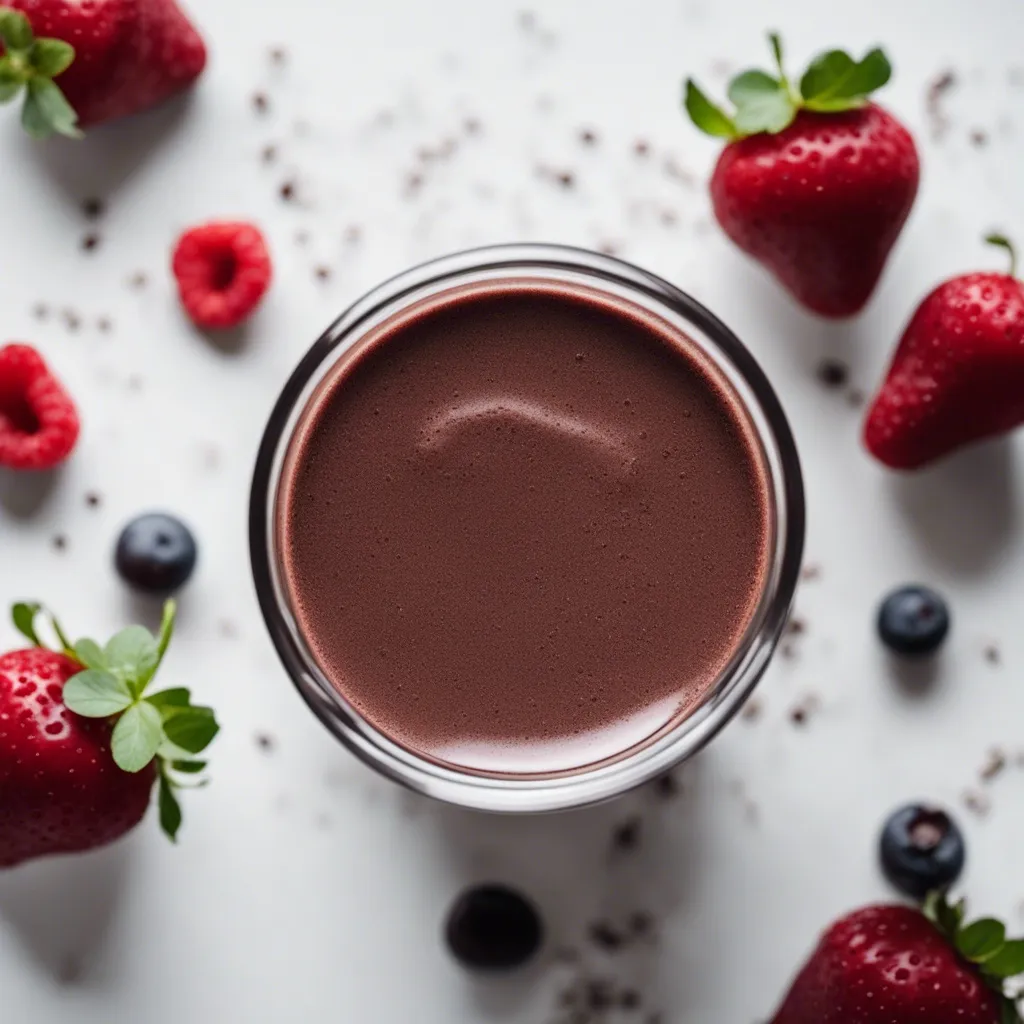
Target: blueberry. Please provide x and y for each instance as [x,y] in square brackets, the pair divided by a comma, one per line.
[921,849]
[156,553]
[913,620]
[492,927]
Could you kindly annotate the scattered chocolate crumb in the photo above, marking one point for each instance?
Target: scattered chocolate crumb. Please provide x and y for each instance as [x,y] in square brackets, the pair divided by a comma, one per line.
[71,319]
[93,499]
[629,999]
[425,154]
[600,995]
[801,713]
[41,311]
[588,137]
[260,102]
[413,183]
[992,654]
[566,955]
[855,398]
[979,138]
[269,153]
[833,373]
[447,147]
[934,97]
[93,208]
[675,170]
[104,324]
[566,179]
[71,971]
[752,710]
[90,242]
[977,803]
[669,217]
[138,280]
[353,234]
[287,191]
[605,937]
[787,650]
[722,68]
[227,629]
[641,148]
[265,742]
[994,765]
[608,248]
[60,542]
[322,273]
[626,837]
[278,55]
[472,126]
[795,626]
[810,572]
[666,786]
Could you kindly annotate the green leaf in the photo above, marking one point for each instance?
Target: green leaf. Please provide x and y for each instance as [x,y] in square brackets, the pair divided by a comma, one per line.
[166,628]
[835,81]
[776,44]
[46,112]
[1008,962]
[137,736]
[12,78]
[90,654]
[15,30]
[50,57]
[65,643]
[24,616]
[191,729]
[1008,1013]
[132,655]
[982,939]
[710,119]
[8,90]
[168,700]
[763,103]
[170,809]
[96,694]
[189,767]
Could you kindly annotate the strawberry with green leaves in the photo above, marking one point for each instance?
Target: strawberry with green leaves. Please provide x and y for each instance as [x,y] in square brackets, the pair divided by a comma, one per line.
[899,965]
[82,739]
[816,181]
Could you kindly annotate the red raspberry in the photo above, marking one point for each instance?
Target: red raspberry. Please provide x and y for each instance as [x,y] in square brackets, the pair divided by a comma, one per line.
[38,421]
[223,271]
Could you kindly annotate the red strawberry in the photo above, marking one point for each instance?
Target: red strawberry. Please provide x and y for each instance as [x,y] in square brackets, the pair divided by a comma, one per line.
[38,422]
[816,182]
[958,373]
[223,271]
[892,965]
[128,56]
[59,787]
[80,747]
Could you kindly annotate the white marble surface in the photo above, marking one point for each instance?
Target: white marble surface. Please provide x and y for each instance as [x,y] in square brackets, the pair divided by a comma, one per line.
[306,889]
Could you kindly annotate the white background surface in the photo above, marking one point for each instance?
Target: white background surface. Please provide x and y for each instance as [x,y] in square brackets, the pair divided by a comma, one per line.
[306,889]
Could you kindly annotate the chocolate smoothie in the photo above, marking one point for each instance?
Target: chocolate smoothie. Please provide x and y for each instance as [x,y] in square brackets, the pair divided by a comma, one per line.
[524,527]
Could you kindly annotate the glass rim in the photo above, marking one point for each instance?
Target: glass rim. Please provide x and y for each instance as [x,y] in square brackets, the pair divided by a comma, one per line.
[738,677]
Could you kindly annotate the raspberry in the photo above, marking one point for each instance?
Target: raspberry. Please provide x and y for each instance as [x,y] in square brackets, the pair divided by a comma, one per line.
[38,421]
[223,271]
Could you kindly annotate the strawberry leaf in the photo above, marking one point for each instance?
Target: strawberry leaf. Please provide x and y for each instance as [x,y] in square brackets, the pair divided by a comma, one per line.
[1008,962]
[132,655]
[137,736]
[763,103]
[710,119]
[835,81]
[90,654]
[170,809]
[96,694]
[51,57]
[167,700]
[982,939]
[192,729]
[15,30]
[1008,1013]
[24,616]
[1002,242]
[188,767]
[46,111]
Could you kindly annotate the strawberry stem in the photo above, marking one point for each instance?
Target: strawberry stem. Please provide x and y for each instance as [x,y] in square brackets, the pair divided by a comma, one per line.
[1004,243]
